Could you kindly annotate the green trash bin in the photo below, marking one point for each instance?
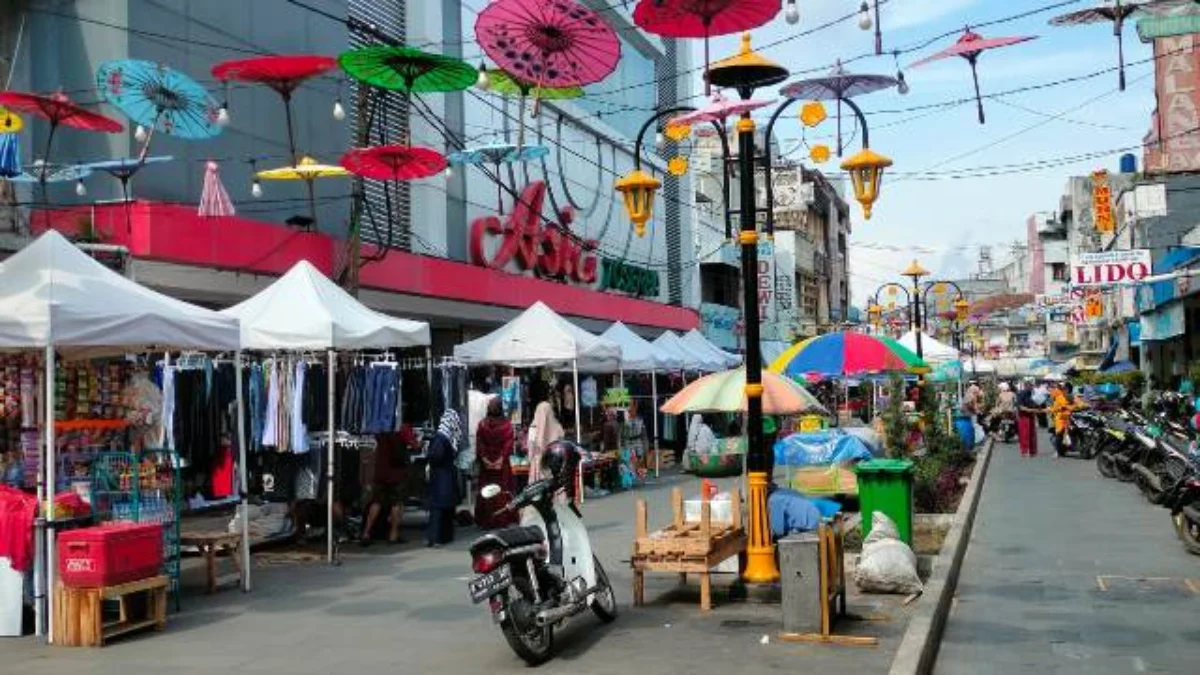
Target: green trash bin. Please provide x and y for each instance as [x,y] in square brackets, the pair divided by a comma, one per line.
[886,485]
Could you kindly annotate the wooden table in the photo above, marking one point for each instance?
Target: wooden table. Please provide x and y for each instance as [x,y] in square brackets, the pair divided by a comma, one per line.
[210,545]
[79,612]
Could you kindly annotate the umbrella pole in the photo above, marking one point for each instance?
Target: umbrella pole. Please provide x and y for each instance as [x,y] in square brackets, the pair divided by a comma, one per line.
[243,480]
[125,198]
[500,187]
[978,98]
[654,398]
[707,83]
[312,203]
[46,164]
[287,113]
[839,126]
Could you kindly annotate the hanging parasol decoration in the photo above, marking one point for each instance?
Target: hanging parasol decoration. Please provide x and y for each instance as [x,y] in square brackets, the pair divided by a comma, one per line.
[308,170]
[11,122]
[394,162]
[498,154]
[407,69]
[719,108]
[838,86]
[159,98]
[10,155]
[703,19]
[1107,12]
[214,198]
[551,43]
[505,84]
[41,172]
[969,47]
[58,110]
[124,170]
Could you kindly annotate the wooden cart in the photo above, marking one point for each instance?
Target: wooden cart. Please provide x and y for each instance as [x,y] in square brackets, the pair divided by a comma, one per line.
[684,547]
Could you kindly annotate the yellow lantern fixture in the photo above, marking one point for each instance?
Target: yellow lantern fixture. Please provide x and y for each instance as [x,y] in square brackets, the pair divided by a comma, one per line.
[677,132]
[962,309]
[677,165]
[915,271]
[875,314]
[866,175]
[819,154]
[638,189]
[813,113]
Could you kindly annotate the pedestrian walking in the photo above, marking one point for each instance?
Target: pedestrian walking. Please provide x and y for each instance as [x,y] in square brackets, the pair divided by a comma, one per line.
[443,480]
[1027,412]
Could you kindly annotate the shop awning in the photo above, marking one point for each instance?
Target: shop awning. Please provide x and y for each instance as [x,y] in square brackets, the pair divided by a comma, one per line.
[540,337]
[639,354]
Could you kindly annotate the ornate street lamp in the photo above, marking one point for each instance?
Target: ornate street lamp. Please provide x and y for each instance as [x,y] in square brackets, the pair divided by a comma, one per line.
[866,175]
[638,189]
[915,272]
[962,309]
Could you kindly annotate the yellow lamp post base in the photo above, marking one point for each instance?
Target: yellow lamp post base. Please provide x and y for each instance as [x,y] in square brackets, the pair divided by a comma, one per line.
[760,552]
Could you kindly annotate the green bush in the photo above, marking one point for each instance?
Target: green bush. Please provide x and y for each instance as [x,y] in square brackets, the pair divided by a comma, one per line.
[895,422]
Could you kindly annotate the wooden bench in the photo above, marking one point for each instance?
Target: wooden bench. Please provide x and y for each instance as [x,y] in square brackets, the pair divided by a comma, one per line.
[79,612]
[684,547]
[211,544]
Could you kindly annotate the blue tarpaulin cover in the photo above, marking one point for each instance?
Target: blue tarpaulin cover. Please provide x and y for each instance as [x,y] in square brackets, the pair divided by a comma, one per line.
[820,448]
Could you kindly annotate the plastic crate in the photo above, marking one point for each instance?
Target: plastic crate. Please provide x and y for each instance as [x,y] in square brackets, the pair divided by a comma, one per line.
[110,555]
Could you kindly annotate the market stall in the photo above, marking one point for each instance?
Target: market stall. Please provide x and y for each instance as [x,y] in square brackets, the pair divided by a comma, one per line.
[700,344]
[56,298]
[303,311]
[933,351]
[703,362]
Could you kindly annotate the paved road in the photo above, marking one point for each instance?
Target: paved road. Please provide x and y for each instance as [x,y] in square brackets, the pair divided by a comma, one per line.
[406,610]
[1069,572]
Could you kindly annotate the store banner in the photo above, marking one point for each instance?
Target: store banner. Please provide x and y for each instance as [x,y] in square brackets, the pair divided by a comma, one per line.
[1102,211]
[1163,324]
[1174,146]
[719,323]
[1110,268]
[1134,328]
[766,282]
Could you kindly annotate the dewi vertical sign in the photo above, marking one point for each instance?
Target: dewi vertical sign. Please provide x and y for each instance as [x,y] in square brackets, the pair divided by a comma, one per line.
[1110,268]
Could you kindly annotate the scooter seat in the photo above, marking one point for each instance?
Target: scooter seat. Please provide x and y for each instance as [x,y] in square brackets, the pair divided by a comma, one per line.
[510,537]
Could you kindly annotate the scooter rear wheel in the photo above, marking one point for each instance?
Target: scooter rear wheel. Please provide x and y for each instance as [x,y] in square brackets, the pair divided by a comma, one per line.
[535,645]
[1189,533]
[1104,462]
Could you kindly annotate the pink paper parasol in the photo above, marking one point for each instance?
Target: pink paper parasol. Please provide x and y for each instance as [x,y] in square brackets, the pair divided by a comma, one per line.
[837,86]
[703,18]
[1110,11]
[969,47]
[718,109]
[551,43]
[214,200]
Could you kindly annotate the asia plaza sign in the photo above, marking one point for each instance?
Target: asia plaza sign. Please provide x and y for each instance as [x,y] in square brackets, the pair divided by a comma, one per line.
[530,244]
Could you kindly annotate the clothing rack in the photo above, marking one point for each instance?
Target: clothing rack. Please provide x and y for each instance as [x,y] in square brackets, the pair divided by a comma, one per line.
[343,439]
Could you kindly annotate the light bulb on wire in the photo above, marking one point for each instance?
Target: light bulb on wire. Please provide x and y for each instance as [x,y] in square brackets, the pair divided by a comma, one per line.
[660,141]
[792,13]
[339,111]
[449,172]
[223,115]
[864,16]
[141,134]
[483,81]
[256,189]
[80,188]
[902,87]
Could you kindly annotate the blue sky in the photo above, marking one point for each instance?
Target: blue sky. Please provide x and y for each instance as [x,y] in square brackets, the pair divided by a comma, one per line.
[950,219]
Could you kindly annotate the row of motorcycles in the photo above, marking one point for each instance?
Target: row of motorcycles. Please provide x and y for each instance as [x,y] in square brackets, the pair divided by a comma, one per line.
[1156,449]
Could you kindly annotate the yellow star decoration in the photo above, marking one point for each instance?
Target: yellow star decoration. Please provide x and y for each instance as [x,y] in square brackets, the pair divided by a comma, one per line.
[677,132]
[819,154]
[813,113]
[677,165]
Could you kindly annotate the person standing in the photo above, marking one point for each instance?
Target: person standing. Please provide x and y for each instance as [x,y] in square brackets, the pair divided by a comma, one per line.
[544,430]
[1062,404]
[494,446]
[1006,406]
[1027,412]
[443,481]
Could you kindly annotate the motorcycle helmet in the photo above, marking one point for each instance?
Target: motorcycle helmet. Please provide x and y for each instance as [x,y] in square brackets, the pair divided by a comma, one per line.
[560,462]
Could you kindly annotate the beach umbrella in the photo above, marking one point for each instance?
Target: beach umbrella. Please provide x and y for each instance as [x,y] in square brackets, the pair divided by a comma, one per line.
[497,155]
[725,392]
[159,99]
[703,19]
[308,170]
[969,47]
[214,198]
[846,353]
[837,86]
[1110,11]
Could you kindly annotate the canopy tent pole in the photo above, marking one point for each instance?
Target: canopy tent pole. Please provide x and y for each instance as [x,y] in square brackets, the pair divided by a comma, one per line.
[44,534]
[329,468]
[48,506]
[243,479]
[654,408]
[429,380]
[578,421]
[621,377]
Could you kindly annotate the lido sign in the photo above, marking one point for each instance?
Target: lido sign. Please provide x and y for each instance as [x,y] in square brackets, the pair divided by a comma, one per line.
[1110,268]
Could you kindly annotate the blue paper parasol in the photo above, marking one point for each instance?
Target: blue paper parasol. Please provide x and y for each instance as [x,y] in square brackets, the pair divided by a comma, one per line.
[498,154]
[51,173]
[10,155]
[159,98]
[123,170]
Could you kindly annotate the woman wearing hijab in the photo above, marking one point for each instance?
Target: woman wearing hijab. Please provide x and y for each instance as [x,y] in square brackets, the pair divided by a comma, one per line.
[443,483]
[544,430]
[701,440]
[494,446]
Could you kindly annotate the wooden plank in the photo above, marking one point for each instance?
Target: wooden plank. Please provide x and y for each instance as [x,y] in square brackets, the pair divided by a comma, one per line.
[735,507]
[705,589]
[677,507]
[849,640]
[129,627]
[114,592]
[639,520]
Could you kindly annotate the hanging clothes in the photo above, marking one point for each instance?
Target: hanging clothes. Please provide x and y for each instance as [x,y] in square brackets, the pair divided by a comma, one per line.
[270,434]
[299,431]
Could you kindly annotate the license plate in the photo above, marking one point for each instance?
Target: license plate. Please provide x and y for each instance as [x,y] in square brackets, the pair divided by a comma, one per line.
[485,586]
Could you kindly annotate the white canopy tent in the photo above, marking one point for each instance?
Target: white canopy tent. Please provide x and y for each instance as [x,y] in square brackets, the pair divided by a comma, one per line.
[700,344]
[692,360]
[978,366]
[55,297]
[933,351]
[304,310]
[540,337]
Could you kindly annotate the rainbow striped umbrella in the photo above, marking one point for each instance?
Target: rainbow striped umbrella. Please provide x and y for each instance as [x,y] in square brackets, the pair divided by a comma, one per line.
[846,353]
[726,392]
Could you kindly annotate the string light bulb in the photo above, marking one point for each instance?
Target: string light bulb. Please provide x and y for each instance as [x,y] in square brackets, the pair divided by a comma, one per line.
[483,82]
[660,141]
[449,172]
[256,189]
[141,134]
[339,111]
[80,188]
[792,13]
[223,115]
[864,16]
[902,87]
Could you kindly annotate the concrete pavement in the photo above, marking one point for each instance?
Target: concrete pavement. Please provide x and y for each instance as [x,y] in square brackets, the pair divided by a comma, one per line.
[1070,572]
[406,610]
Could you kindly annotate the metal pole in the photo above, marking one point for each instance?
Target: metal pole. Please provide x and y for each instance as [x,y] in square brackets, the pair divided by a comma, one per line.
[331,383]
[50,560]
[429,379]
[654,396]
[578,422]
[243,477]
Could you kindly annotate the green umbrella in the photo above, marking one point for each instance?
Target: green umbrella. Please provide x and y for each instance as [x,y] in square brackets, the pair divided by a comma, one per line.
[505,84]
[407,69]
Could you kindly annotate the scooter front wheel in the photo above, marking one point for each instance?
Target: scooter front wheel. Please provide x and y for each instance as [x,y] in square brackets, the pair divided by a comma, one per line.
[604,603]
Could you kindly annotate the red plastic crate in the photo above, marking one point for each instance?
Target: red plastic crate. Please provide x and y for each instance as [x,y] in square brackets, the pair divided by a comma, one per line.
[109,555]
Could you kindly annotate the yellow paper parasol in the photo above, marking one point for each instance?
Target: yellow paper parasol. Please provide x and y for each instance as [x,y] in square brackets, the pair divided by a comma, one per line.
[10,122]
[307,170]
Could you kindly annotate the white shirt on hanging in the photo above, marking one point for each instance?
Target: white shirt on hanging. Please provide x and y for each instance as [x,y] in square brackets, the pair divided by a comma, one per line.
[299,428]
[271,426]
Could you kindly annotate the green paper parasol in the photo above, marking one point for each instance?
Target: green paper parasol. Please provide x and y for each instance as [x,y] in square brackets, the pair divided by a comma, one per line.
[407,69]
[505,84]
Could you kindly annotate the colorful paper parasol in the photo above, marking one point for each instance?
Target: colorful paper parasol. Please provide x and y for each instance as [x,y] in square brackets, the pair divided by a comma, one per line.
[281,73]
[307,170]
[498,154]
[394,162]
[11,122]
[161,99]
[407,69]
[552,43]
[969,47]
[837,86]
[40,172]
[123,170]
[58,110]
[703,19]
[1111,12]
[717,110]
[846,353]
[10,155]
[725,392]
[214,198]
[505,84]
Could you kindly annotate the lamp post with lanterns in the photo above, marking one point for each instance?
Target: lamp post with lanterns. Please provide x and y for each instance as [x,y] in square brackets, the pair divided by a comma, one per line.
[744,73]
[917,296]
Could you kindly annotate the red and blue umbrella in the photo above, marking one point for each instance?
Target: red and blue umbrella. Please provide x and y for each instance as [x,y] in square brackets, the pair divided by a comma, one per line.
[846,353]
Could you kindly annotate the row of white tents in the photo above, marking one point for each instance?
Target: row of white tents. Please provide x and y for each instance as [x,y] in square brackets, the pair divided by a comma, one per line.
[57,299]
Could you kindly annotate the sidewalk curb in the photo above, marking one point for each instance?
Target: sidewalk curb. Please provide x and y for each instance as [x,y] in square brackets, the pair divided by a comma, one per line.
[919,646]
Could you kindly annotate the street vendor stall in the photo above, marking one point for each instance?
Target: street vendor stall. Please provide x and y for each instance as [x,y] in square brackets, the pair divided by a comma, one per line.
[304,311]
[700,344]
[692,360]
[54,297]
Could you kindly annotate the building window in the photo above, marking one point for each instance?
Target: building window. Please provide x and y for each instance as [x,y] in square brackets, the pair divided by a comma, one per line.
[719,284]
[1058,271]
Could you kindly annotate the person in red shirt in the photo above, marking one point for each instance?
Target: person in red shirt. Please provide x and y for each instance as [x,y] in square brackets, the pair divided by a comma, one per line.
[392,461]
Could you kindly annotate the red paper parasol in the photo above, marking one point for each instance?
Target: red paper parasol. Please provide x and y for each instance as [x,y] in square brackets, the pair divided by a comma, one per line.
[1114,12]
[58,109]
[394,162]
[281,73]
[969,47]
[552,43]
[703,18]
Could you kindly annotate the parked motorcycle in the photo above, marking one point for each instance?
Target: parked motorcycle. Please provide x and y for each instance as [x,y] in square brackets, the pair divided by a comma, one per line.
[1085,430]
[538,574]
[1124,436]
[1185,512]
